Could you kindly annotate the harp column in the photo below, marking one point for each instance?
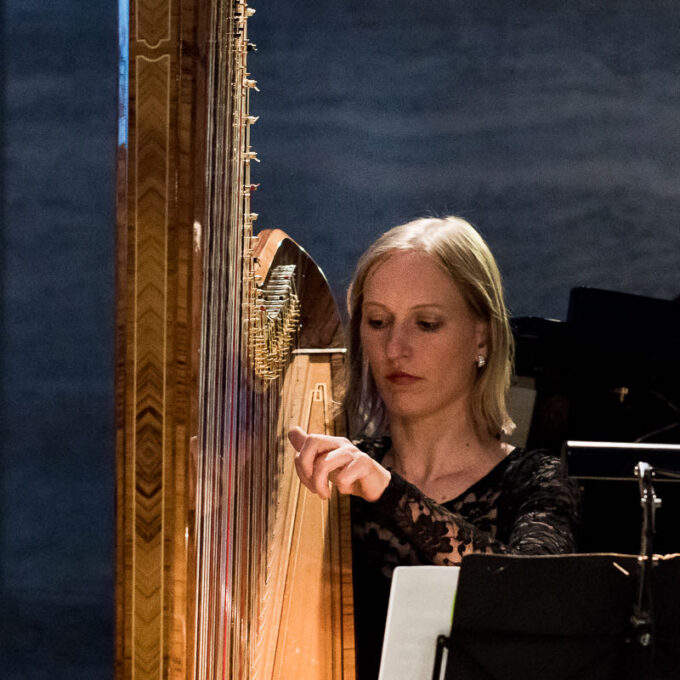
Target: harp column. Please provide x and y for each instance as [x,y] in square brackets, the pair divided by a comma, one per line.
[158,283]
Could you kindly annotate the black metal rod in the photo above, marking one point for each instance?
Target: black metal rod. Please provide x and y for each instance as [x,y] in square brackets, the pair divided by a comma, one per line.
[442,643]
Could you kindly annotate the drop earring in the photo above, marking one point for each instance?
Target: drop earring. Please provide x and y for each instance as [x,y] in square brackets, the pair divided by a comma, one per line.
[481,361]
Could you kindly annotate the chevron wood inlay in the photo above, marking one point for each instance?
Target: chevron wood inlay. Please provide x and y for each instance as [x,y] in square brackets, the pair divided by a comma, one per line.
[153,21]
[152,207]
[156,346]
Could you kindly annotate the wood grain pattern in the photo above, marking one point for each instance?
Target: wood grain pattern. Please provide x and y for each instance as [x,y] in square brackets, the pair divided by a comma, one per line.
[157,207]
[152,22]
[150,375]
[316,634]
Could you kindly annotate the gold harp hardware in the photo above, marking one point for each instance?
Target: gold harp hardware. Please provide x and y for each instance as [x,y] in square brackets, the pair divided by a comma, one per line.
[273,320]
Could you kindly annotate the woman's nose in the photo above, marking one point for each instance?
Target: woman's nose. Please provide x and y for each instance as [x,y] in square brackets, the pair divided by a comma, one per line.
[397,342]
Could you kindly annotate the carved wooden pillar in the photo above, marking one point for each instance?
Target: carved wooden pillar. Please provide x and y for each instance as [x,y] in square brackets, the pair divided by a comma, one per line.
[159,202]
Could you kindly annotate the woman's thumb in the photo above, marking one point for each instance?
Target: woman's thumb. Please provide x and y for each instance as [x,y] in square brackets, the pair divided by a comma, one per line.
[297,437]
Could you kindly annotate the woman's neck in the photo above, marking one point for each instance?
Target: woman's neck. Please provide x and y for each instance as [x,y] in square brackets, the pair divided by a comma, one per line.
[448,451]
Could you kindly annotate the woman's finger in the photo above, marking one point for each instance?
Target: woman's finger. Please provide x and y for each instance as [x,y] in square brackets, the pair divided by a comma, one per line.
[297,437]
[306,453]
[326,467]
[324,459]
[310,448]
[363,477]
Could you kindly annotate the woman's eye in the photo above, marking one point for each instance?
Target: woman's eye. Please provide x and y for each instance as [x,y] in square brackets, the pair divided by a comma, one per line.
[429,325]
[375,323]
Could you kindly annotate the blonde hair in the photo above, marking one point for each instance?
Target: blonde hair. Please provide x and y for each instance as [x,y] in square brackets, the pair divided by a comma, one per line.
[465,256]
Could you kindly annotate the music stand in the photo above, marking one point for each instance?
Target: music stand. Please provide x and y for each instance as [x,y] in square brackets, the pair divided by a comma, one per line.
[564,617]
[611,501]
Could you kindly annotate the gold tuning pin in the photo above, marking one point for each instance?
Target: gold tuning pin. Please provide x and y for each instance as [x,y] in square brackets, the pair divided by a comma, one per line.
[248,120]
[244,11]
[250,156]
[252,84]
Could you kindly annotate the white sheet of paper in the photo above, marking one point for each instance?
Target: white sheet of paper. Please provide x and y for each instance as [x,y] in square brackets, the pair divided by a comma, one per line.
[420,609]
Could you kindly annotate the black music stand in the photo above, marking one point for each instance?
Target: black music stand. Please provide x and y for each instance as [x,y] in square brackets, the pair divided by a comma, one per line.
[566,617]
[606,472]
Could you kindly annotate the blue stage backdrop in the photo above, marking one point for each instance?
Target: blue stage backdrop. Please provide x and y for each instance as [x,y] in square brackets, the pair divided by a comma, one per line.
[551,126]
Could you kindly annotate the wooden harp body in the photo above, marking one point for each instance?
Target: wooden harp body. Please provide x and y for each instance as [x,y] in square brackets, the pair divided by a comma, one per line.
[226,568]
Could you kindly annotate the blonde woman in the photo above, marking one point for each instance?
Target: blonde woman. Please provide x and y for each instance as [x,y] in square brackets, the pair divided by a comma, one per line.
[430,361]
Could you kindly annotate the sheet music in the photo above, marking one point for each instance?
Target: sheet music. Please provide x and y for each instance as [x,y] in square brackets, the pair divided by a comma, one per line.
[420,609]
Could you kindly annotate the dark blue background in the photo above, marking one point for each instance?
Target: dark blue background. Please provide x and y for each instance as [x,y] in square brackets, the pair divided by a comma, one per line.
[552,126]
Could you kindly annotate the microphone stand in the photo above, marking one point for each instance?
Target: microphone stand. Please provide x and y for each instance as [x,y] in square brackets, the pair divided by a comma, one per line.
[642,620]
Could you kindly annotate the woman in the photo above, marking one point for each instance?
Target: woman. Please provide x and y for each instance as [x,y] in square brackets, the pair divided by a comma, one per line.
[430,363]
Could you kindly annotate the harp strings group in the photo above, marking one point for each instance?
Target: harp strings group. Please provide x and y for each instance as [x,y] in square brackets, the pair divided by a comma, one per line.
[248,327]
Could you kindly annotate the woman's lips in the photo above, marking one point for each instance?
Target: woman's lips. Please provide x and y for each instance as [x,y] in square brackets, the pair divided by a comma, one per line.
[399,378]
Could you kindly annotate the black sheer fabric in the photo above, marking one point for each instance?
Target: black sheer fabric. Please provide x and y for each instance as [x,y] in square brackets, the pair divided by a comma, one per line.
[524,505]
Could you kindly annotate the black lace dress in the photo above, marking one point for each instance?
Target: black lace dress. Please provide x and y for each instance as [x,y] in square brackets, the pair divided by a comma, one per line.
[524,505]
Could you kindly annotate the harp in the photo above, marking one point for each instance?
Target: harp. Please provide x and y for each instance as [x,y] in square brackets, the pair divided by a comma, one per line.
[226,568]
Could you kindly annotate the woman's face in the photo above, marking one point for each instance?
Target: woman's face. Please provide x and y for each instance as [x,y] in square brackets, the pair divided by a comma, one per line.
[419,336]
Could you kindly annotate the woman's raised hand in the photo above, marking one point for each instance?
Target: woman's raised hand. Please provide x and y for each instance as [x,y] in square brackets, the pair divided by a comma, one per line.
[322,459]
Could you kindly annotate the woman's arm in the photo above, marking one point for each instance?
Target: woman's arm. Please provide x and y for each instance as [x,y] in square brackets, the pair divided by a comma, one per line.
[542,502]
[539,504]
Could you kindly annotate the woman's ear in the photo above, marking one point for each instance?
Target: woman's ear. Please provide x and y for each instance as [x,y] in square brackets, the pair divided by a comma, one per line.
[482,336]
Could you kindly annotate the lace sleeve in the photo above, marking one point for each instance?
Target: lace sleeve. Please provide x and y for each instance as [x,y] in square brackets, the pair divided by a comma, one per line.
[533,511]
[436,534]
[546,508]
